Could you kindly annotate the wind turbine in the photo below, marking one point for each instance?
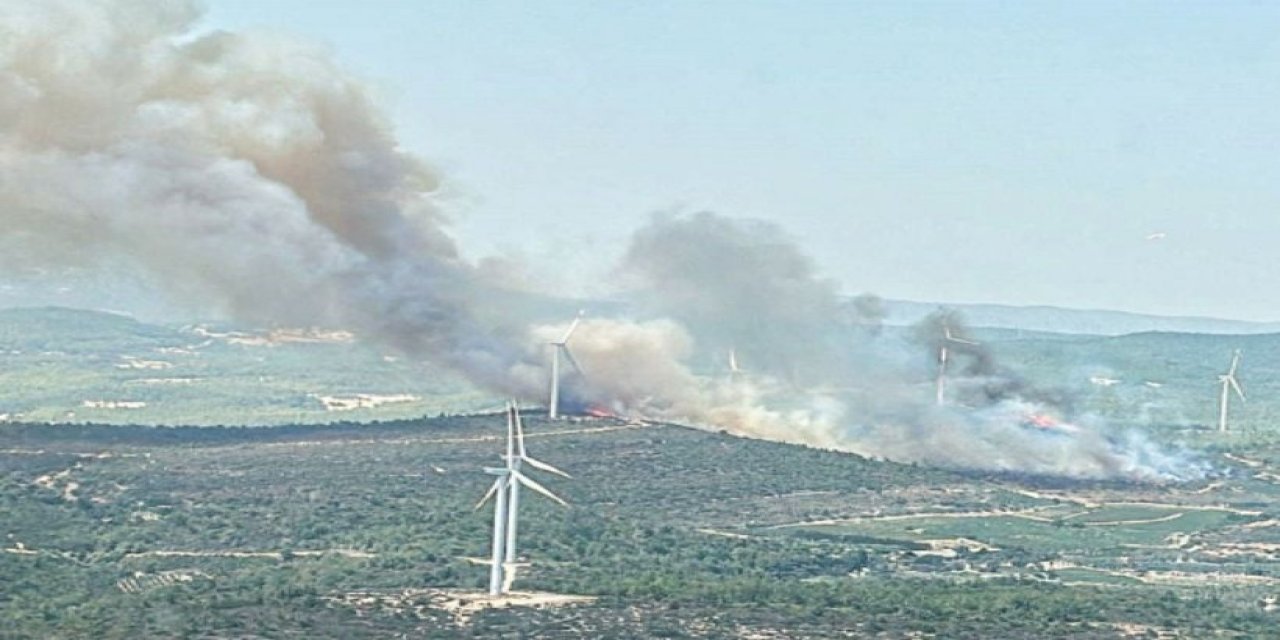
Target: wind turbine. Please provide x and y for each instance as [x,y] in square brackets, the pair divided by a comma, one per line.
[1228,382]
[735,371]
[506,490]
[943,356]
[559,348]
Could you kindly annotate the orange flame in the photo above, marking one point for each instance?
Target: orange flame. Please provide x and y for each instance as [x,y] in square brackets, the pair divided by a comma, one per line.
[597,411]
[1043,420]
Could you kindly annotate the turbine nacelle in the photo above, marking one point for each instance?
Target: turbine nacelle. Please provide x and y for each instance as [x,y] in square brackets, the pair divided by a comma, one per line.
[514,424]
[515,457]
[948,337]
[1229,378]
[1230,381]
[573,326]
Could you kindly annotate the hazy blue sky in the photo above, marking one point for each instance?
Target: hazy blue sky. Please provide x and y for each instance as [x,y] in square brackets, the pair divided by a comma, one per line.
[1008,152]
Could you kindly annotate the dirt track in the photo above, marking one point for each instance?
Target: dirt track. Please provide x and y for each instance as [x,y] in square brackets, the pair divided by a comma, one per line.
[453,440]
[233,553]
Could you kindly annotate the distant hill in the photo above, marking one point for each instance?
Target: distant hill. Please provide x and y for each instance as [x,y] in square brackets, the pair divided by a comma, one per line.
[1079,321]
[72,365]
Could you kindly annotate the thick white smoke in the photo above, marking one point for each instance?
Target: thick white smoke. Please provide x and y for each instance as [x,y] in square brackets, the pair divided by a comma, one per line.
[639,368]
[1005,437]
[745,285]
[251,173]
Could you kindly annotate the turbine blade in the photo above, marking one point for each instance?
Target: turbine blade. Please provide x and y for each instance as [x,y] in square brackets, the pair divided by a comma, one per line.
[572,327]
[572,361]
[524,480]
[493,490]
[1236,385]
[948,337]
[538,464]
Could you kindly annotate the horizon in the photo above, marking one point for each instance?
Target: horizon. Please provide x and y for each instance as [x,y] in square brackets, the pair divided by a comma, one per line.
[174,316]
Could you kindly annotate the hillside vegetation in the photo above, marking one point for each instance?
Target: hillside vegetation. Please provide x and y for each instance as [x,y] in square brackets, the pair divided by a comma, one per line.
[364,527]
[350,531]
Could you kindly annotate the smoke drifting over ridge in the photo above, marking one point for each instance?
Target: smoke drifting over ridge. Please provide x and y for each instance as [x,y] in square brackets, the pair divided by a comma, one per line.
[251,172]
[869,392]
[245,171]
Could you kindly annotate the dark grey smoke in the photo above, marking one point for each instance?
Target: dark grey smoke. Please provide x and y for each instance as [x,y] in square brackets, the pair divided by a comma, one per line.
[968,354]
[869,312]
[975,378]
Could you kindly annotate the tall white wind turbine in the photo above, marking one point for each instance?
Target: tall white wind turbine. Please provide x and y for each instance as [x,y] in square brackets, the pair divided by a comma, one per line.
[560,348]
[506,490]
[1228,382]
[940,389]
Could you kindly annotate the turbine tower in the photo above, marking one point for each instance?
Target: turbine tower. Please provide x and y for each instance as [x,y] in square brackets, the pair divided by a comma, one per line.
[943,356]
[561,348]
[1228,382]
[506,492]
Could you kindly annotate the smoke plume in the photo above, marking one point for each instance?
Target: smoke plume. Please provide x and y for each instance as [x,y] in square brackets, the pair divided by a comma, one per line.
[243,171]
[741,285]
[251,173]
[744,283]
[869,311]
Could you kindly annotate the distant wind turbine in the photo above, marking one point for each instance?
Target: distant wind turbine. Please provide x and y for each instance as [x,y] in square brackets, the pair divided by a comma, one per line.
[506,489]
[1229,382]
[735,371]
[561,348]
[943,356]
